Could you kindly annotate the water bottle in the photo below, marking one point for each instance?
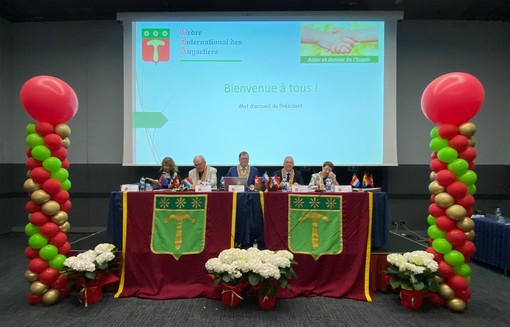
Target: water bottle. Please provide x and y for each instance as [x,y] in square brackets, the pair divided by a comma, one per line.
[328,184]
[499,216]
[142,186]
[222,182]
[255,244]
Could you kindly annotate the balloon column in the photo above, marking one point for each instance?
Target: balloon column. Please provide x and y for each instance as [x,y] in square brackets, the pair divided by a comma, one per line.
[450,101]
[51,102]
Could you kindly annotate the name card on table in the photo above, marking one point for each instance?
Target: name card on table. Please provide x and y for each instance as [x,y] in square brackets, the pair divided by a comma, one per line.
[203,188]
[236,188]
[129,187]
[343,188]
[300,188]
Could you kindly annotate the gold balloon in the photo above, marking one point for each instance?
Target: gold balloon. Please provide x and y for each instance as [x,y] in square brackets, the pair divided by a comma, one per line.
[456,305]
[65,227]
[60,218]
[40,197]
[51,208]
[444,199]
[30,276]
[467,129]
[456,212]
[439,279]
[472,142]
[38,288]
[29,173]
[470,235]
[435,188]
[466,225]
[31,186]
[446,291]
[52,296]
[63,130]
[432,176]
[66,142]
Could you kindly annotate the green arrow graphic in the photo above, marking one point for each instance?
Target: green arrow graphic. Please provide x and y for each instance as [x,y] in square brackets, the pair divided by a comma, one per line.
[148,120]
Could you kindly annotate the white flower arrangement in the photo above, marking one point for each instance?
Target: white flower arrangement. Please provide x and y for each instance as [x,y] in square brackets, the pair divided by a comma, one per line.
[88,262]
[413,270]
[260,267]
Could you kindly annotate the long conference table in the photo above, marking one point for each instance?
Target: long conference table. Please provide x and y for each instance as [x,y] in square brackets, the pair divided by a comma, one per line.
[492,242]
[159,263]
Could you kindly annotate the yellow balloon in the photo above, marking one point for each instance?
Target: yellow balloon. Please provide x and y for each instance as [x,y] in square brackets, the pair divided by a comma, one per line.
[435,188]
[40,197]
[472,142]
[470,235]
[65,227]
[30,276]
[52,296]
[444,199]
[439,279]
[63,130]
[432,176]
[446,291]
[466,225]
[60,218]
[467,129]
[31,186]
[456,305]
[51,208]
[66,142]
[38,288]
[456,212]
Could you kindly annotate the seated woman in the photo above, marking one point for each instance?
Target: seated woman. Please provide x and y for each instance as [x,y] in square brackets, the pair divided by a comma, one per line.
[318,180]
[169,177]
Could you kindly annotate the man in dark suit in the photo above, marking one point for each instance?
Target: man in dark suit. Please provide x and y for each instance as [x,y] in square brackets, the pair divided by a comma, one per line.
[288,173]
[244,169]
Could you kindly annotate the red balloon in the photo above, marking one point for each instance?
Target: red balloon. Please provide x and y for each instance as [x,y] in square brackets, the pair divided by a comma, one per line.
[59,239]
[61,196]
[65,164]
[29,153]
[32,207]
[60,281]
[49,229]
[456,237]
[445,270]
[469,154]
[435,299]
[64,291]
[469,212]
[66,206]
[37,265]
[433,155]
[432,198]
[437,165]
[445,177]
[445,223]
[464,295]
[471,165]
[436,210]
[452,98]
[38,218]
[60,153]
[39,175]
[51,186]
[459,143]
[64,249]
[33,163]
[48,276]
[467,249]
[44,128]
[457,189]
[467,201]
[437,256]
[31,253]
[34,299]
[49,99]
[458,283]
[447,131]
[54,141]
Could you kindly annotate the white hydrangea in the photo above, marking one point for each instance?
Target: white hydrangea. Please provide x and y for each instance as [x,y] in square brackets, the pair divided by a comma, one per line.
[104,247]
[415,262]
[104,257]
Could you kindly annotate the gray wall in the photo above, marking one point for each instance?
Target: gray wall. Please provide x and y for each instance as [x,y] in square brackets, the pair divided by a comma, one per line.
[88,56]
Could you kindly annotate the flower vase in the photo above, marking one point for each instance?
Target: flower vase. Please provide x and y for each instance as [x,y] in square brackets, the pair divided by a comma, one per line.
[411,299]
[231,294]
[267,302]
[92,292]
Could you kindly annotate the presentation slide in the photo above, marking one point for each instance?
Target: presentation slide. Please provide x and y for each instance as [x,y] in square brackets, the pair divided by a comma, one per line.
[310,89]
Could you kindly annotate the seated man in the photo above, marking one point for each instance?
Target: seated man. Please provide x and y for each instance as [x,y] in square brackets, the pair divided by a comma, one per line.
[244,169]
[317,182]
[202,173]
[288,173]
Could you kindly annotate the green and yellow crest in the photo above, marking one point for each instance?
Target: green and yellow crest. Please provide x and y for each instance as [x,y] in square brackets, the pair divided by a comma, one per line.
[315,224]
[178,225]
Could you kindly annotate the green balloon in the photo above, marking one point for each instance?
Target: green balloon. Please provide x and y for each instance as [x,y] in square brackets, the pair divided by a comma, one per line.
[447,154]
[61,175]
[441,245]
[57,262]
[471,189]
[48,252]
[458,166]
[52,164]
[431,220]
[468,278]
[66,185]
[434,132]
[454,258]
[34,139]
[463,270]
[437,143]
[435,232]
[37,241]
[41,152]
[468,178]
[31,229]
[30,128]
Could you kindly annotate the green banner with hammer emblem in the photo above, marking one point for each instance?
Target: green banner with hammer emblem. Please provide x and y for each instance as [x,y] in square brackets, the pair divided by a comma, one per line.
[315,224]
[178,225]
